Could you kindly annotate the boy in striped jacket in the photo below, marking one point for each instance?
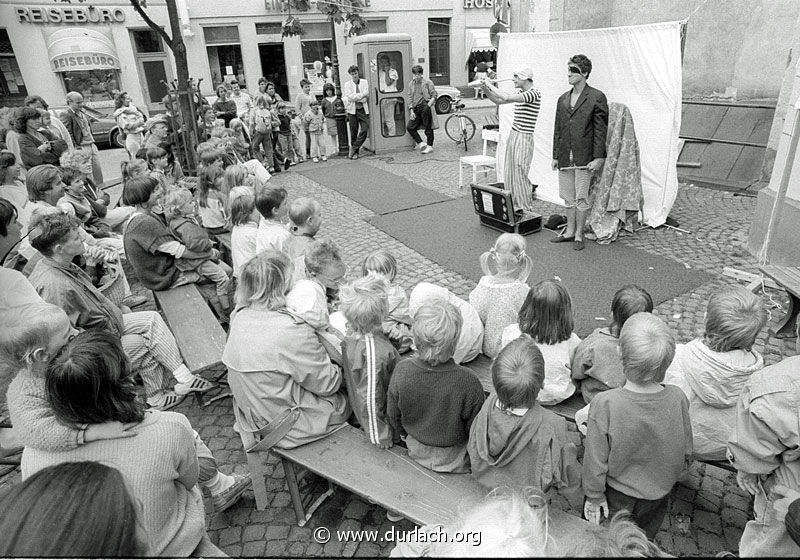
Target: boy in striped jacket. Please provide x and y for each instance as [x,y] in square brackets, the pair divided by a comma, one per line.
[369,357]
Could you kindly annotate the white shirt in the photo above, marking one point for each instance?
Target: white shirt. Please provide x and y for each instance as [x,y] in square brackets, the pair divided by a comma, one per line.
[270,235]
[350,96]
[15,290]
[243,245]
[558,385]
[307,300]
[382,80]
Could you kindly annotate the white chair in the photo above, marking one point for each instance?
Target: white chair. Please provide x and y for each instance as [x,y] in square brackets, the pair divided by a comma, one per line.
[482,163]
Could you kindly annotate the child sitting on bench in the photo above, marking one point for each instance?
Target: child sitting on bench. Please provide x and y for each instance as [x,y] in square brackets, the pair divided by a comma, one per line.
[369,357]
[308,298]
[272,205]
[431,400]
[305,215]
[639,440]
[546,315]
[513,440]
[180,209]
[397,322]
[244,218]
[713,370]
[596,365]
[502,289]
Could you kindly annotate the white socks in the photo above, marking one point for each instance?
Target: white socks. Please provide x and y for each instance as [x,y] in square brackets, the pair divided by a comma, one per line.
[183,375]
[219,483]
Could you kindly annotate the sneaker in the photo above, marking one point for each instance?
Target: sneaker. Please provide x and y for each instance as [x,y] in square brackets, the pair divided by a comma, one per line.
[134,301]
[292,163]
[164,401]
[324,158]
[286,164]
[420,146]
[196,385]
[394,517]
[315,160]
[232,494]
[427,149]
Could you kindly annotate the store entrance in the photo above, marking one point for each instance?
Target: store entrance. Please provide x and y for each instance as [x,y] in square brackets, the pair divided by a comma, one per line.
[273,67]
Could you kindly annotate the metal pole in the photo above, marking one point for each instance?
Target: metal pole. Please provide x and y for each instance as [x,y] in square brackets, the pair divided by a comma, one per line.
[338,105]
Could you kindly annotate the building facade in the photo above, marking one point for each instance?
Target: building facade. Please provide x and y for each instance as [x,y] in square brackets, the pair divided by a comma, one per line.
[50,47]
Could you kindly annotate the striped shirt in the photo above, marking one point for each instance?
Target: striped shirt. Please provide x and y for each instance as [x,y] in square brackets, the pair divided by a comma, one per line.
[526,113]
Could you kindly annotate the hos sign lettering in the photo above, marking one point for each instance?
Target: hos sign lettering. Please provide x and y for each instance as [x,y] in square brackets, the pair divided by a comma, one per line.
[89,14]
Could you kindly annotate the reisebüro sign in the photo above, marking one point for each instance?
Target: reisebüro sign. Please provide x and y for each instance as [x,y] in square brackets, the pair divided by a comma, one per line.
[76,14]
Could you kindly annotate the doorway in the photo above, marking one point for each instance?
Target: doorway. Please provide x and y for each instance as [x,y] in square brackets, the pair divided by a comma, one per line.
[273,67]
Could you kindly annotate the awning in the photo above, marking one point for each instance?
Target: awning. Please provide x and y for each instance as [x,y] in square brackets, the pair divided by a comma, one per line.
[477,40]
[81,49]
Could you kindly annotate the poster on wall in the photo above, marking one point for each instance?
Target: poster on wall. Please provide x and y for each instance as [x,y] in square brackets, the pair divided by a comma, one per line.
[639,66]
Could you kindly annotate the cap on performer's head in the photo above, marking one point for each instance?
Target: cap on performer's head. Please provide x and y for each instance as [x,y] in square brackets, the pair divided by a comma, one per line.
[524,73]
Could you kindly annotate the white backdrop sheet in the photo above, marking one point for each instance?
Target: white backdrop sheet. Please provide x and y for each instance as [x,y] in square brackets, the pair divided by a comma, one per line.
[639,66]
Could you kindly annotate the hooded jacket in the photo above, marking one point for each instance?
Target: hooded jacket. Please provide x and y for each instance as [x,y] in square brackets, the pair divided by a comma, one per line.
[532,450]
[712,381]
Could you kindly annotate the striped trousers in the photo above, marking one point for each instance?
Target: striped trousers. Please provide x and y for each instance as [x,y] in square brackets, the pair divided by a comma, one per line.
[519,154]
[151,348]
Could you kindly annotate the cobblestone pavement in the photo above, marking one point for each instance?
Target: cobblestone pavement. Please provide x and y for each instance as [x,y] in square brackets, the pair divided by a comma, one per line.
[707,512]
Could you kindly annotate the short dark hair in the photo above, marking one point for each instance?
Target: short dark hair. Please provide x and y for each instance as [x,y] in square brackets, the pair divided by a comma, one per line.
[353,68]
[68,175]
[25,114]
[304,83]
[31,99]
[7,159]
[155,152]
[582,62]
[416,69]
[47,230]
[89,381]
[628,300]
[518,373]
[546,314]
[138,190]
[268,200]
[328,87]
[7,214]
[78,509]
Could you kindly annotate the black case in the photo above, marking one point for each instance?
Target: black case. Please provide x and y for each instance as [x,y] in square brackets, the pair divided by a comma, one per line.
[495,208]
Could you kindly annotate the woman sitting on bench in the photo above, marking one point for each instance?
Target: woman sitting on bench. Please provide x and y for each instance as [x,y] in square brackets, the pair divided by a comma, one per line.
[276,362]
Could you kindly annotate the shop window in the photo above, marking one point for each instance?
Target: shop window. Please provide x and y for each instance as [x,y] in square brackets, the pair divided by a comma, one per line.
[268,28]
[95,85]
[12,86]
[224,55]
[147,41]
[439,49]
[390,71]
[376,26]
[316,55]
[393,116]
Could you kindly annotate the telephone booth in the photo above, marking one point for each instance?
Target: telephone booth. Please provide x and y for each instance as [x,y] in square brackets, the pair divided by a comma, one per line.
[384,60]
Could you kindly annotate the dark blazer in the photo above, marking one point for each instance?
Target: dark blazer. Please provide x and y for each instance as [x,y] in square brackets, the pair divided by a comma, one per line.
[30,154]
[583,129]
[73,126]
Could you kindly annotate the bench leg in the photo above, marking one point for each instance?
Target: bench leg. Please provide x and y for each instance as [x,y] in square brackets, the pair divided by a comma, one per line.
[785,328]
[258,474]
[294,491]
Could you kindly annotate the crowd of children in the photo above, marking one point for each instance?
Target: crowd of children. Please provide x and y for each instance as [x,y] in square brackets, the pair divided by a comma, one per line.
[652,405]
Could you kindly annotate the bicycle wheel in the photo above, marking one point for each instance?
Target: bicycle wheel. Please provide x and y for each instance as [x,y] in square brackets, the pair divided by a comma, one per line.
[467,129]
[452,128]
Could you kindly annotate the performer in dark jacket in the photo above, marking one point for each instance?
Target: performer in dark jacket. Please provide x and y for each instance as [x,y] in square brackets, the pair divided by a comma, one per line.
[579,145]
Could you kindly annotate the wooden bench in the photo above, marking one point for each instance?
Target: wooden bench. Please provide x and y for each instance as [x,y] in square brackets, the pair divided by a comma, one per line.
[224,240]
[789,278]
[199,335]
[482,367]
[389,478]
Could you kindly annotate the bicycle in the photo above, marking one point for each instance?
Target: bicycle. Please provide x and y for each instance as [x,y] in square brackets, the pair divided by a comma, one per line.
[458,126]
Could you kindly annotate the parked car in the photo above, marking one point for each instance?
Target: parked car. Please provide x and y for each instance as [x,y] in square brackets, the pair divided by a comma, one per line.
[445,94]
[104,127]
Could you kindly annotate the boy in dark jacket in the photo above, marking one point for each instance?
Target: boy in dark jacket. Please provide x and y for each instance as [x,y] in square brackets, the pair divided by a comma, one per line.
[180,210]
